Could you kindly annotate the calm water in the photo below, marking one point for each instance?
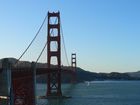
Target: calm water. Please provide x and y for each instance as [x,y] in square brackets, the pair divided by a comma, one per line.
[96,93]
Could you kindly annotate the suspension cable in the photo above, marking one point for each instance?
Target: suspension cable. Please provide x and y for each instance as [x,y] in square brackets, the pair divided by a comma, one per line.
[45,44]
[64,44]
[41,52]
[31,41]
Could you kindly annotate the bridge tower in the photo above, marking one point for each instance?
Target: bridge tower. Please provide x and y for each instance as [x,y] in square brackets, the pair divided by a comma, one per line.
[73,61]
[73,65]
[54,76]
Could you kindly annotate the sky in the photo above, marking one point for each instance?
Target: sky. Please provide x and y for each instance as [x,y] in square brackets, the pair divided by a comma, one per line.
[105,34]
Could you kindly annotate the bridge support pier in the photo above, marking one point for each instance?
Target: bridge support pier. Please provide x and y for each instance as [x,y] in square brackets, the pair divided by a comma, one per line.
[6,92]
[24,87]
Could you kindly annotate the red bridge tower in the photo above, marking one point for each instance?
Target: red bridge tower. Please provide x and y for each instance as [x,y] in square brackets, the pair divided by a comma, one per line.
[73,60]
[73,65]
[54,77]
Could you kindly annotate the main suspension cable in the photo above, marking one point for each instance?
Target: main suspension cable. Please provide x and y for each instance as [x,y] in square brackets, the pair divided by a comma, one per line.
[31,41]
[64,44]
[41,52]
[45,44]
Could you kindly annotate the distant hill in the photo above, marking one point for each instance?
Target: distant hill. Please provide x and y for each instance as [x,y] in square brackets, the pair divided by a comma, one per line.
[134,74]
[83,75]
[90,76]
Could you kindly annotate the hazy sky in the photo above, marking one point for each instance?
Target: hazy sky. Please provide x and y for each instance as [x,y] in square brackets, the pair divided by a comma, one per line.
[105,34]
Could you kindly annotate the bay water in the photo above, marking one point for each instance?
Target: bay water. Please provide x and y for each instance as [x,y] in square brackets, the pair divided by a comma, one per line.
[95,93]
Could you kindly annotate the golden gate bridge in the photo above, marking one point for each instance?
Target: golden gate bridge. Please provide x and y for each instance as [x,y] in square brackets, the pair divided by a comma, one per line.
[21,80]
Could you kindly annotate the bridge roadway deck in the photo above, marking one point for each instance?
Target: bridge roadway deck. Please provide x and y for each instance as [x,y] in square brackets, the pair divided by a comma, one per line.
[27,71]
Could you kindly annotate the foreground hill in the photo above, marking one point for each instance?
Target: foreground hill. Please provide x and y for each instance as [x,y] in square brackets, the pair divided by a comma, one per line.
[83,75]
